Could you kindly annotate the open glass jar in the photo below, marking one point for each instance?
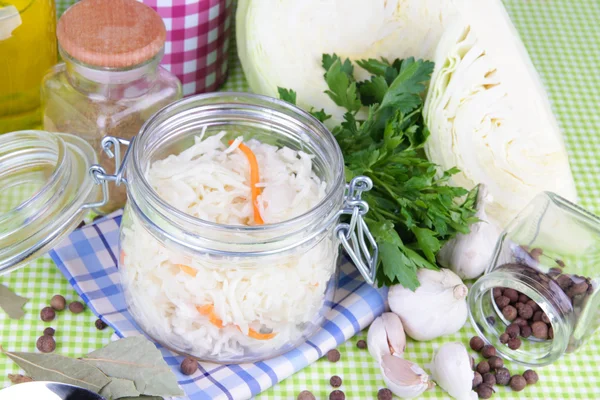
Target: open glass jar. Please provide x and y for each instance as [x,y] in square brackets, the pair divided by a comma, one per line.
[550,253]
[233,293]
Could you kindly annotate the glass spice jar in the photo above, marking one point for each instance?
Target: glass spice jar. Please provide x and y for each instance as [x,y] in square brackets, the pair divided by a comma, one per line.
[110,82]
[548,256]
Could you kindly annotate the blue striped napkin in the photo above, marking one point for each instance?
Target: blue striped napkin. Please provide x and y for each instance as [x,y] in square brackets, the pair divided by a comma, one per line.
[88,259]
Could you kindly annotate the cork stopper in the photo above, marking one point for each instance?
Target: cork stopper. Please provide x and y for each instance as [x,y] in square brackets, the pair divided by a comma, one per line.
[111,33]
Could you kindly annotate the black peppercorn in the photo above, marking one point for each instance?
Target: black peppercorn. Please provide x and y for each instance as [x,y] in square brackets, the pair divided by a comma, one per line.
[361,344]
[537,316]
[517,383]
[477,379]
[49,331]
[58,302]
[335,381]
[385,394]
[305,395]
[76,307]
[488,351]
[545,318]
[333,355]
[514,343]
[495,362]
[502,301]
[489,379]
[100,325]
[513,330]
[189,366]
[502,376]
[337,395]
[512,295]
[523,298]
[531,377]
[526,331]
[525,311]
[497,292]
[504,338]
[46,344]
[485,391]
[534,306]
[539,330]
[550,333]
[47,314]
[509,312]
[483,367]
[521,322]
[476,343]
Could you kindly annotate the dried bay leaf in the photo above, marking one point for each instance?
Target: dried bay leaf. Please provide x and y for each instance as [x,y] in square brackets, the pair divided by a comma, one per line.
[18,378]
[118,388]
[137,359]
[52,367]
[12,303]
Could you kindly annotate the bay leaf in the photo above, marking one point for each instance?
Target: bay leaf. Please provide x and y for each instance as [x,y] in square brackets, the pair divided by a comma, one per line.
[12,303]
[137,359]
[118,388]
[53,367]
[18,378]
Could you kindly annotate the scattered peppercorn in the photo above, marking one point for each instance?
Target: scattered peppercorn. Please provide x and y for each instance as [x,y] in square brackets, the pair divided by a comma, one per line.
[47,314]
[512,295]
[337,395]
[76,307]
[509,312]
[495,362]
[333,355]
[477,379]
[385,394]
[526,331]
[100,325]
[517,383]
[306,395]
[335,381]
[539,330]
[58,302]
[502,376]
[483,367]
[514,343]
[46,344]
[513,330]
[188,366]
[488,351]
[476,343]
[49,331]
[489,379]
[504,338]
[531,377]
[484,391]
[497,292]
[361,344]
[502,302]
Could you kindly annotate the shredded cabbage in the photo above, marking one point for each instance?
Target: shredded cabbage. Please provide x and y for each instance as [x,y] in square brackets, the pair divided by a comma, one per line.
[281,295]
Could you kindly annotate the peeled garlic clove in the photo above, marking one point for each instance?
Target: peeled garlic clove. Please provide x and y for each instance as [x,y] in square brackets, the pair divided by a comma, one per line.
[404,378]
[469,254]
[436,308]
[451,369]
[386,336]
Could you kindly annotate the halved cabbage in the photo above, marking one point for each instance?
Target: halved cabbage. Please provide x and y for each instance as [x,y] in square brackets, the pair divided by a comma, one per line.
[281,42]
[489,114]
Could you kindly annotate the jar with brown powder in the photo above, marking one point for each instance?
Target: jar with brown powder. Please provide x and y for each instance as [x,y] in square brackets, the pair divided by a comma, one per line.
[110,82]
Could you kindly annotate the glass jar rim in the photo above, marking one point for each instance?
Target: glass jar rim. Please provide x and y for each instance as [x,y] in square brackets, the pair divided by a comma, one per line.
[269,105]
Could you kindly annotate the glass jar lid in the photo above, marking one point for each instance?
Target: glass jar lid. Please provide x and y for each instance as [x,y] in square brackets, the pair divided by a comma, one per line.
[45,190]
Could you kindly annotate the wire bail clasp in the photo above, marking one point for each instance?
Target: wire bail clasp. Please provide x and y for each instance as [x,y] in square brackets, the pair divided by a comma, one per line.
[112,147]
[356,236]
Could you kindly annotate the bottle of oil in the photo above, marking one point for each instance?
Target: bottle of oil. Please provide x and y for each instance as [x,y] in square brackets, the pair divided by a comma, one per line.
[27,50]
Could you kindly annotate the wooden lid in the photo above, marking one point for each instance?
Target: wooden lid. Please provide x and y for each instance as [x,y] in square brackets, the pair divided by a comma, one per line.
[111,33]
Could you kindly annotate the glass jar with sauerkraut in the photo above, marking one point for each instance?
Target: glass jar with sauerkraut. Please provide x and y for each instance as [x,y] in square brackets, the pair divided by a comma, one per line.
[230,238]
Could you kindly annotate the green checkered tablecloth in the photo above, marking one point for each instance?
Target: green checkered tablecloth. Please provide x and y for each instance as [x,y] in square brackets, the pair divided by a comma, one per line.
[563,37]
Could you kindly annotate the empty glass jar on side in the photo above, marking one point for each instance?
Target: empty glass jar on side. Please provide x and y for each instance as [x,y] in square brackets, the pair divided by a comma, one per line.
[551,254]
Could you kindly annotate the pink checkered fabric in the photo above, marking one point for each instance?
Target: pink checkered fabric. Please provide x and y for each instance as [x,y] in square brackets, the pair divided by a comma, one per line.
[197,42]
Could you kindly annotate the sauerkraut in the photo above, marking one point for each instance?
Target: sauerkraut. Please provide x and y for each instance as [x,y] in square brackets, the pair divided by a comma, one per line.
[228,308]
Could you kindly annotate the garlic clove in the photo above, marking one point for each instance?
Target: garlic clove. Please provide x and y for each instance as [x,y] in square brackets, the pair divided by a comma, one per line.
[404,378]
[386,336]
[451,369]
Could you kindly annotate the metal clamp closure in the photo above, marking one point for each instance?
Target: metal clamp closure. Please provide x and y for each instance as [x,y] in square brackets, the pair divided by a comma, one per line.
[112,147]
[355,236]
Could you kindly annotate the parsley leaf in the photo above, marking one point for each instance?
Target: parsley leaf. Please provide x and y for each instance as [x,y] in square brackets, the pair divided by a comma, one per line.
[287,95]
[342,87]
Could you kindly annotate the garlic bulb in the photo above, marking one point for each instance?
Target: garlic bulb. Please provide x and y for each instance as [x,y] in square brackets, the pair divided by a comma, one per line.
[451,369]
[469,254]
[404,378]
[438,307]
[386,336]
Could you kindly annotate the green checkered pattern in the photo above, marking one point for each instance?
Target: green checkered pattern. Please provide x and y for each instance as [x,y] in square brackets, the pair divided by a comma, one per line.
[563,39]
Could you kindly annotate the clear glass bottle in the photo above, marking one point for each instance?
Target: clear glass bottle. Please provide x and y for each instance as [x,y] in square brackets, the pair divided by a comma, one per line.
[110,82]
[551,253]
[27,51]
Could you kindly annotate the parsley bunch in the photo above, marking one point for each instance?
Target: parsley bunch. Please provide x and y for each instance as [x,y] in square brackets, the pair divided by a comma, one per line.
[412,210]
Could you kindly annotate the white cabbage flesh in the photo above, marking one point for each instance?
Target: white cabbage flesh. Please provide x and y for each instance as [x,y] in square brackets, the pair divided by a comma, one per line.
[281,42]
[489,115]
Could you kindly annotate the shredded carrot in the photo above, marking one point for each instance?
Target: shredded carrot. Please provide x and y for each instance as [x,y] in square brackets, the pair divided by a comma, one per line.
[122,258]
[187,269]
[260,336]
[209,311]
[254,179]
